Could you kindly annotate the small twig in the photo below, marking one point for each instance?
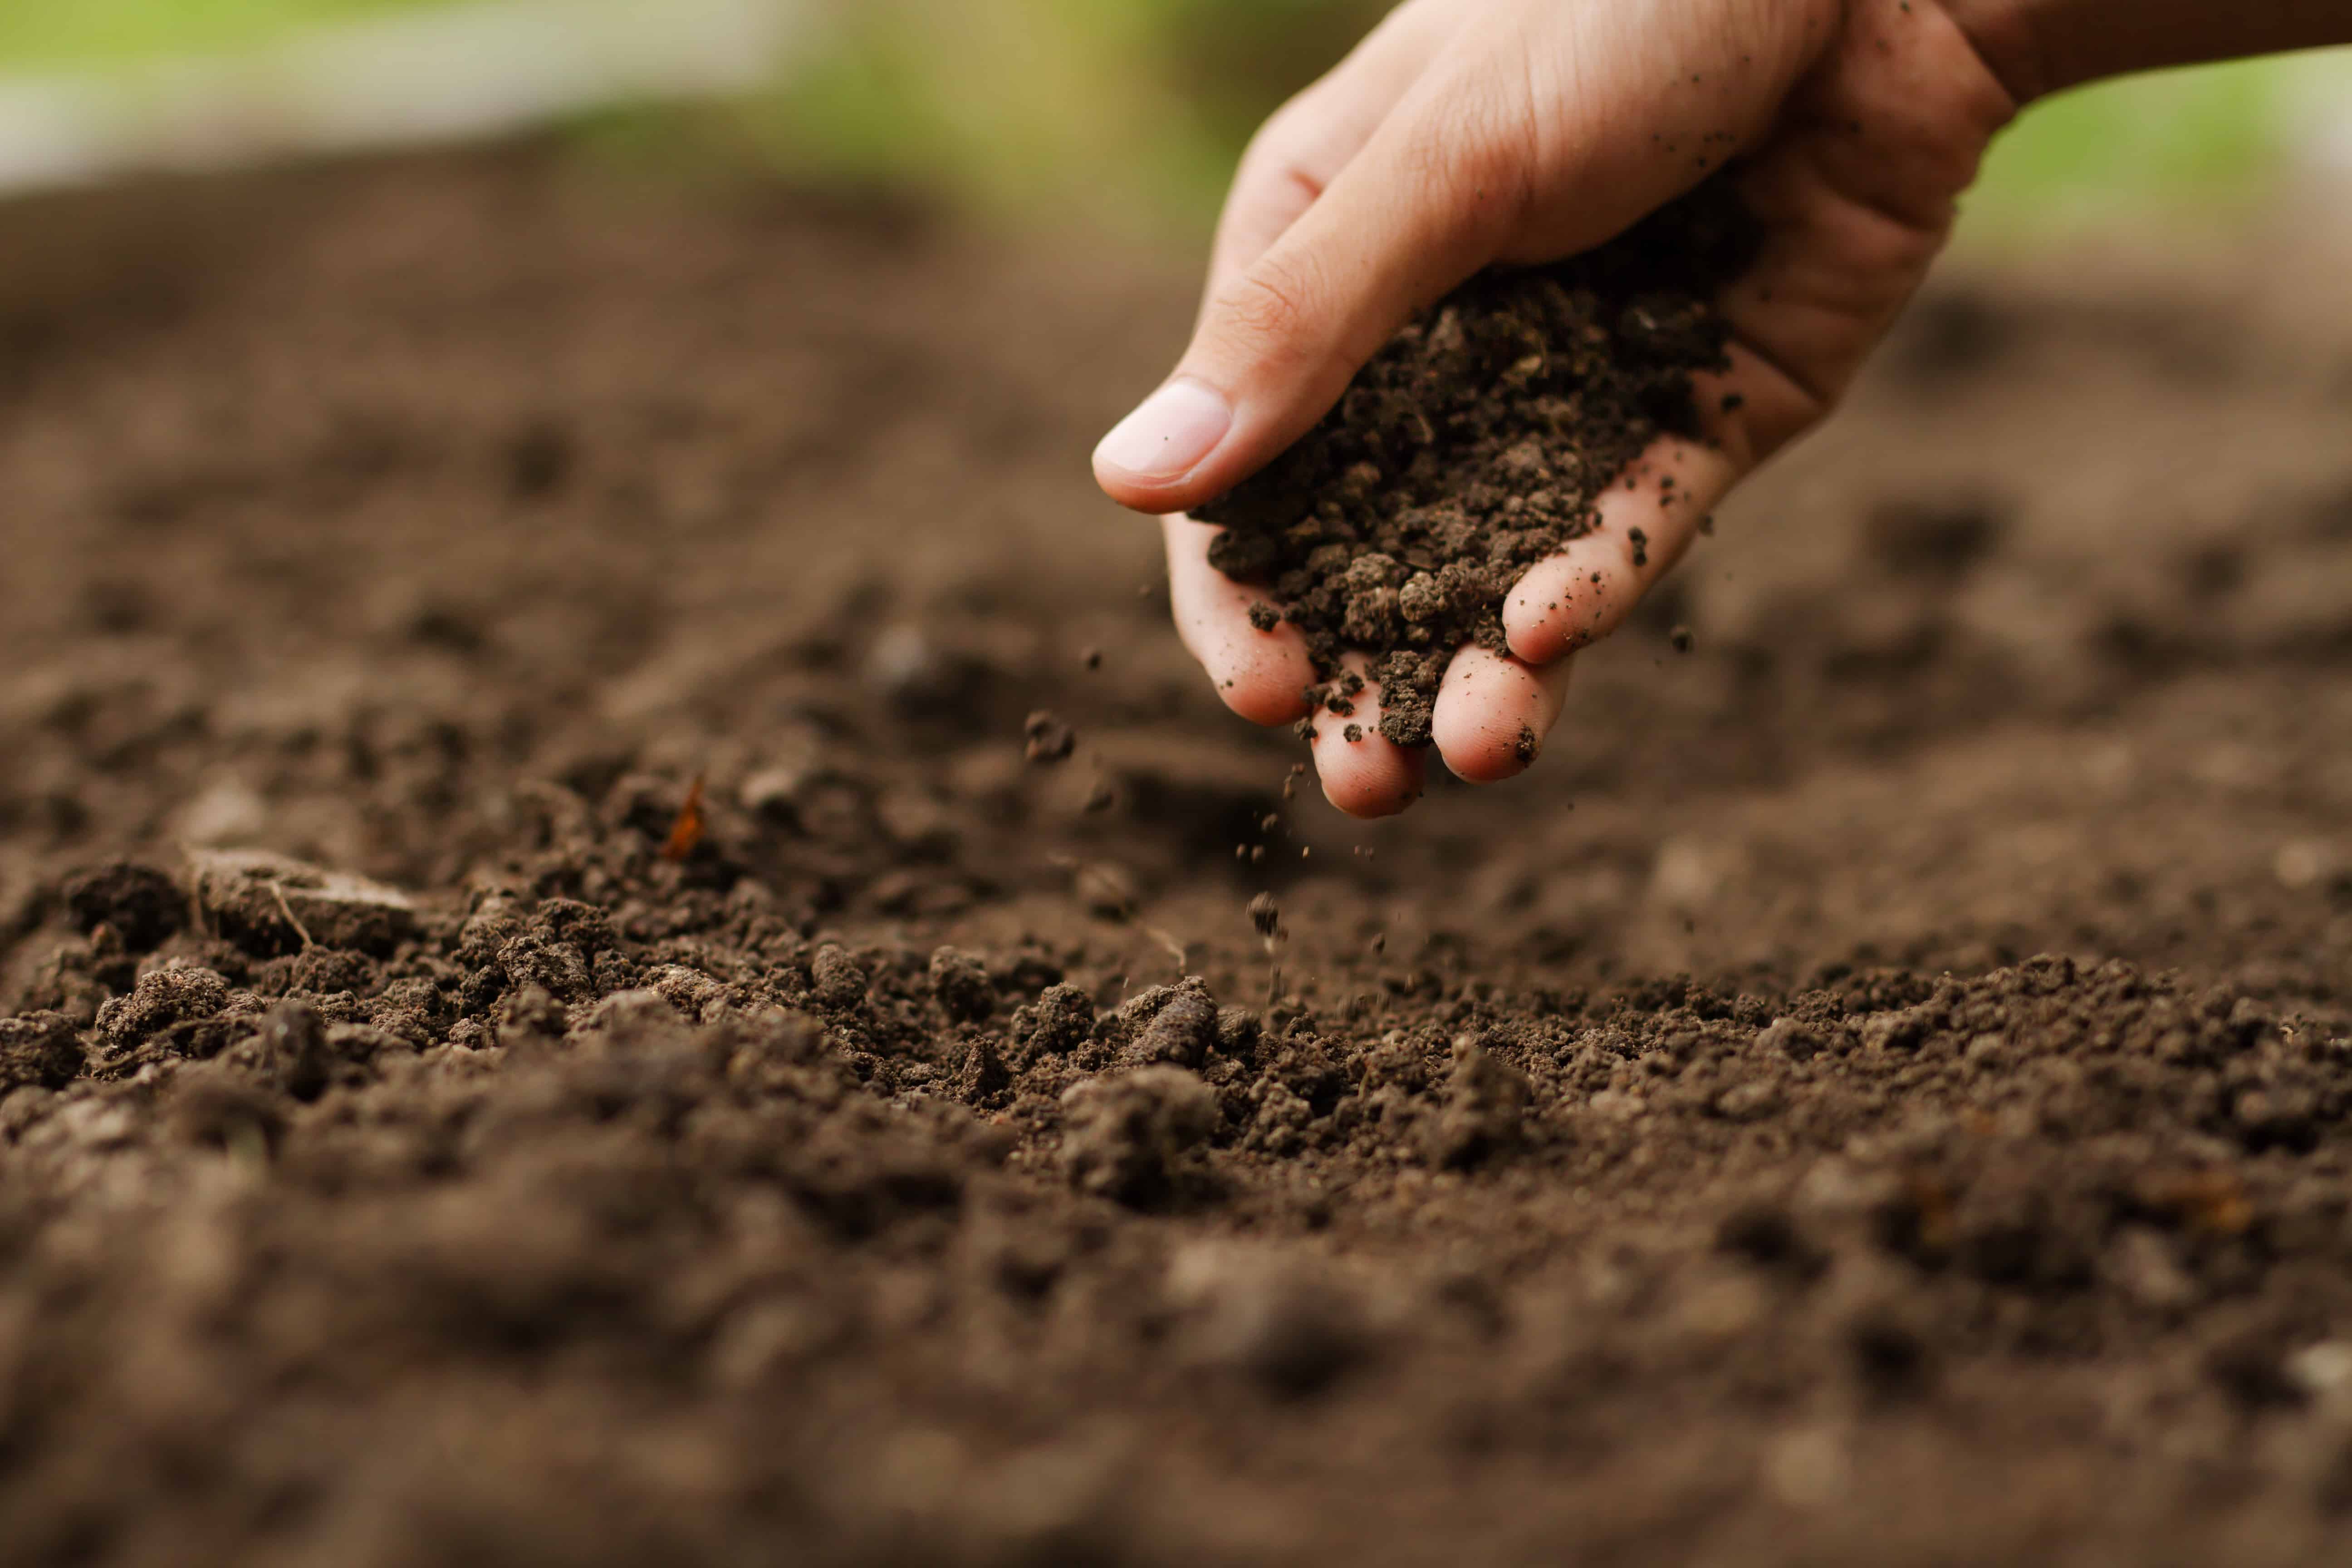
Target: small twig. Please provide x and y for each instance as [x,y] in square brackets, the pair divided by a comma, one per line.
[198,916]
[278,891]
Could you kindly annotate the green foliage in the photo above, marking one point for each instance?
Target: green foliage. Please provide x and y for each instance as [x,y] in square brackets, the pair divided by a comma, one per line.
[1141,106]
[37,35]
[1137,108]
[2207,139]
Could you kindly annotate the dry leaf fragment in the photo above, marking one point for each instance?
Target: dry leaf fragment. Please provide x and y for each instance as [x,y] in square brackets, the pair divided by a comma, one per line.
[687,831]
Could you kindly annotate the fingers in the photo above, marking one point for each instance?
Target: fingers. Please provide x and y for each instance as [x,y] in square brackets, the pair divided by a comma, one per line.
[1300,151]
[1262,675]
[1364,773]
[1520,142]
[1647,519]
[1493,714]
[1428,201]
[1855,197]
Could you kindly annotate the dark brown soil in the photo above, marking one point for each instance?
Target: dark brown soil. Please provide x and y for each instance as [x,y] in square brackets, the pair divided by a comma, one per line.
[1879,1096]
[1473,446]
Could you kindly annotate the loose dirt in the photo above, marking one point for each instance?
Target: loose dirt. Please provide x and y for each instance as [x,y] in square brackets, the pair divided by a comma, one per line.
[1876,1093]
[1473,446]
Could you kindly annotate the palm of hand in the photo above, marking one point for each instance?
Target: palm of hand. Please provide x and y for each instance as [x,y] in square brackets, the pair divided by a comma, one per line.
[1522,130]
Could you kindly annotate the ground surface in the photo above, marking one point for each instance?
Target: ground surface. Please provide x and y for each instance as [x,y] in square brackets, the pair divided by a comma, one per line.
[1875,1093]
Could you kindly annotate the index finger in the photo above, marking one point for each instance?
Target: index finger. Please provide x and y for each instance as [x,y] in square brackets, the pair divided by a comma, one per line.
[1306,145]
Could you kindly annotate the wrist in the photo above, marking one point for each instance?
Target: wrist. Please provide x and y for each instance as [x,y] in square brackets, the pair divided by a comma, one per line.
[2039,47]
[2005,38]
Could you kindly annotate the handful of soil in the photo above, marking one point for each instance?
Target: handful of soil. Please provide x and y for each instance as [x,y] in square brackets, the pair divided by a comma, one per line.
[1473,446]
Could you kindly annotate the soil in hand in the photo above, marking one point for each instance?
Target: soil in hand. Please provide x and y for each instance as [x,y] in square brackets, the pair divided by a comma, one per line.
[1473,446]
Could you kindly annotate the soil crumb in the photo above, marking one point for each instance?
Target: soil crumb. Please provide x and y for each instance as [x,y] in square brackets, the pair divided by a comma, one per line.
[1473,446]
[1049,739]
[1265,915]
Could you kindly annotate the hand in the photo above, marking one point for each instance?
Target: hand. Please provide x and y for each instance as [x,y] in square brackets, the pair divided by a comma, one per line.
[1469,132]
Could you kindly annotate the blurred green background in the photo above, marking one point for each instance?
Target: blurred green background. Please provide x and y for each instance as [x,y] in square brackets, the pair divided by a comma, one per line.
[1135,109]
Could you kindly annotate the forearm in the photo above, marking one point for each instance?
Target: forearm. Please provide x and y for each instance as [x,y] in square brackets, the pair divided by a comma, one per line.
[2039,47]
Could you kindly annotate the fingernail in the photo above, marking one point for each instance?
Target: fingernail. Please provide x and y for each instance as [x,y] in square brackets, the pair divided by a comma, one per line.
[1167,437]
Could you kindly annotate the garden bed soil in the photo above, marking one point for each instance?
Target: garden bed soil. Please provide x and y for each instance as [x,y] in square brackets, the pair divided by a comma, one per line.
[1876,1093]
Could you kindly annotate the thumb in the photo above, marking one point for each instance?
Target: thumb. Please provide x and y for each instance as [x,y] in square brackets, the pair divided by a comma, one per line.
[1423,205]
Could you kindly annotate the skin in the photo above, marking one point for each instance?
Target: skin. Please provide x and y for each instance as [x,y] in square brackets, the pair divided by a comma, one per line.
[1467,133]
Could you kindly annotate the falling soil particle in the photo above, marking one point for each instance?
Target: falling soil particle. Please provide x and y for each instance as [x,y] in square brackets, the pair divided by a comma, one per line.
[1048,739]
[1265,914]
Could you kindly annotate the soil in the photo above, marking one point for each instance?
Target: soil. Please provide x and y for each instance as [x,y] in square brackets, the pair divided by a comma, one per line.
[1879,1095]
[1473,446]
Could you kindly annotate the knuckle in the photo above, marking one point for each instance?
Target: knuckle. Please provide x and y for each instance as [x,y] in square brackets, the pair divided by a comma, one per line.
[1478,166]
[1285,137]
[1293,147]
[1272,306]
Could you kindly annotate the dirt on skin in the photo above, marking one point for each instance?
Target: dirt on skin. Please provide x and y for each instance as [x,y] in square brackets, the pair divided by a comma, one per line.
[1879,1096]
[1473,446]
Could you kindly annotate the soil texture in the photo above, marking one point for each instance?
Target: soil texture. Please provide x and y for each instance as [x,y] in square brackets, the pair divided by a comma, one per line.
[624,937]
[1473,446]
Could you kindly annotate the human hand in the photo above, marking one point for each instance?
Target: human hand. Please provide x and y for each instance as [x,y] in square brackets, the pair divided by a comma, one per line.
[1465,133]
